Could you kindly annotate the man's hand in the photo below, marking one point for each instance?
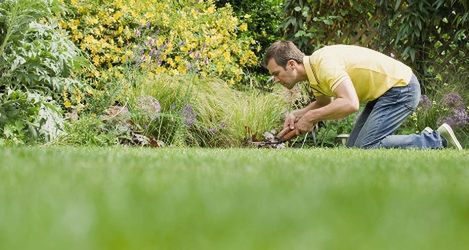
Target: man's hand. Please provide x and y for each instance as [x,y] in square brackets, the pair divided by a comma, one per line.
[288,126]
[302,126]
[290,120]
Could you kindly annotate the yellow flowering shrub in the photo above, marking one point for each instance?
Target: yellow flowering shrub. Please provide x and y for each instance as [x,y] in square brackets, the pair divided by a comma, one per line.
[162,36]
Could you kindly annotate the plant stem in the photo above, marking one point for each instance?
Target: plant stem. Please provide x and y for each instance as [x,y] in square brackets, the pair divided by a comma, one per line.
[4,43]
[8,23]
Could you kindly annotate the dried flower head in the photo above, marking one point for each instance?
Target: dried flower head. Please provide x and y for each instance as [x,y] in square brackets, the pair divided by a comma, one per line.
[188,115]
[457,118]
[452,99]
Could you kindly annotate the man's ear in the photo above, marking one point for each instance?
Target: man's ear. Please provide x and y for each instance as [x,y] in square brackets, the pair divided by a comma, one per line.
[291,64]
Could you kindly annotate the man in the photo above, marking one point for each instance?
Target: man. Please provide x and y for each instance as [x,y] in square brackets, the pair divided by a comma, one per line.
[341,77]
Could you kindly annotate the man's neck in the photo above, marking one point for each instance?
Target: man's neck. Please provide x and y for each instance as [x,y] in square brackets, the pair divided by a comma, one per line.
[302,76]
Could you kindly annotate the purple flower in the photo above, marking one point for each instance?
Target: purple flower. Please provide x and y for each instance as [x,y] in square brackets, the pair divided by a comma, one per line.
[460,115]
[452,99]
[152,52]
[143,58]
[222,125]
[213,130]
[458,118]
[151,42]
[425,102]
[149,104]
[188,115]
[138,33]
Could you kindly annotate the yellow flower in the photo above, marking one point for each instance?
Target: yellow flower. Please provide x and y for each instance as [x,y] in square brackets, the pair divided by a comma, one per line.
[63,24]
[119,31]
[117,15]
[211,10]
[91,20]
[149,15]
[227,56]
[77,96]
[67,104]
[220,67]
[96,60]
[243,27]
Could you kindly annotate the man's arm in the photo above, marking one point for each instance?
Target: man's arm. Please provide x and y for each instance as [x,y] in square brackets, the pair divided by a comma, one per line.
[295,115]
[345,103]
[320,101]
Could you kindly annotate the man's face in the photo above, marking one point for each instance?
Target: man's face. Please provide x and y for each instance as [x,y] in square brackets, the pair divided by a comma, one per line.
[286,77]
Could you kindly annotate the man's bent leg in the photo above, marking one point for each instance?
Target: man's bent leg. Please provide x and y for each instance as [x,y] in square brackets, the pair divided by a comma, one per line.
[362,117]
[389,112]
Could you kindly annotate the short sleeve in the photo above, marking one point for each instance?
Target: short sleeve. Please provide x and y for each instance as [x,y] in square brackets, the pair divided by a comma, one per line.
[330,72]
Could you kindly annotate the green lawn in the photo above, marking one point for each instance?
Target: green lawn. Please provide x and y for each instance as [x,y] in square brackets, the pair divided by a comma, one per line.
[119,198]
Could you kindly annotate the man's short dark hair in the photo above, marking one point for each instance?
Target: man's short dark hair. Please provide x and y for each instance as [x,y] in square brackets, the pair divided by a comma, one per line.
[282,52]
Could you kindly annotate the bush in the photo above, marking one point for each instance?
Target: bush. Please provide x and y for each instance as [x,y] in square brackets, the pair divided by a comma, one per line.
[37,62]
[263,19]
[161,36]
[28,117]
[207,112]
[89,130]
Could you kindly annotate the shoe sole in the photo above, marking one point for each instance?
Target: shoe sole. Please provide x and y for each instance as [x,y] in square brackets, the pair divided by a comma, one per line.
[446,129]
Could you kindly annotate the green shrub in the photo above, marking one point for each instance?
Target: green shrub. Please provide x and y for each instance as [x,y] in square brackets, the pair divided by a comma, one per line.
[37,62]
[28,117]
[89,130]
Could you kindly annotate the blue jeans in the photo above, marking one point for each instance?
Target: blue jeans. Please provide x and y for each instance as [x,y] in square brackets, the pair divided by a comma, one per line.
[375,126]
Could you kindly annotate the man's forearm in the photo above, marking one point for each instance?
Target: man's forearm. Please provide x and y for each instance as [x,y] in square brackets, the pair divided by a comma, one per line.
[313,105]
[337,109]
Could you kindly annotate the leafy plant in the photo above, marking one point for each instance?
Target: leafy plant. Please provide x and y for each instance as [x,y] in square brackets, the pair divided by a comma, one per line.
[312,24]
[88,130]
[37,62]
[27,117]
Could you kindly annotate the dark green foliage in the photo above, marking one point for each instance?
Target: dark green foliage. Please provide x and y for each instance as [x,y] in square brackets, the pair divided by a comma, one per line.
[425,31]
[418,32]
[311,23]
[264,18]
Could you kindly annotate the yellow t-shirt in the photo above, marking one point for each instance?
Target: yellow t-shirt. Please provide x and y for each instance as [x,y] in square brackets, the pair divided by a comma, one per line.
[372,73]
